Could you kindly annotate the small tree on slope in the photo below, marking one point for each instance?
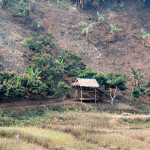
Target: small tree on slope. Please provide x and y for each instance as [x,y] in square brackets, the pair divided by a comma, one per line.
[116,84]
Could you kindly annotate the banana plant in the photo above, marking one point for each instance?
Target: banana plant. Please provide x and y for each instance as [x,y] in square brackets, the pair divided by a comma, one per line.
[100,17]
[34,73]
[87,28]
[114,28]
[137,77]
[145,34]
[38,23]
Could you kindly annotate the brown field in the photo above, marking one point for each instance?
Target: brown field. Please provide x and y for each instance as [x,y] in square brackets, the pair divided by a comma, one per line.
[75,130]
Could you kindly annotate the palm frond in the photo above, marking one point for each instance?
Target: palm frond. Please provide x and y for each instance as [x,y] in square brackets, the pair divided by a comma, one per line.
[84,30]
[111,26]
[85,23]
[134,73]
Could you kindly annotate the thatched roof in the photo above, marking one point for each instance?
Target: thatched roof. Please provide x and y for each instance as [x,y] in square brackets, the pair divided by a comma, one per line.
[82,82]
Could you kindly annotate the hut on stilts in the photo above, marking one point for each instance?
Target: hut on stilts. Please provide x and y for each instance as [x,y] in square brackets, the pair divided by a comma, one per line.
[87,89]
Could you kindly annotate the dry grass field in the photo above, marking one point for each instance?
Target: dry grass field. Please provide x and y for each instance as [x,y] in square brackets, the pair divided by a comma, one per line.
[74,130]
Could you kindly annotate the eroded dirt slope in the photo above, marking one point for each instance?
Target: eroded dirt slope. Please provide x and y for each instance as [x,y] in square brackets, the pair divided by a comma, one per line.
[12,53]
[101,53]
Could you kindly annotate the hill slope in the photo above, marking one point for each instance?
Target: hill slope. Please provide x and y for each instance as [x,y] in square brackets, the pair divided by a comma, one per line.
[101,53]
[12,54]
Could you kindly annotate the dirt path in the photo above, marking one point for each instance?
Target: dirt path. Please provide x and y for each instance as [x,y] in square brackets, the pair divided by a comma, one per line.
[30,104]
[128,116]
[23,104]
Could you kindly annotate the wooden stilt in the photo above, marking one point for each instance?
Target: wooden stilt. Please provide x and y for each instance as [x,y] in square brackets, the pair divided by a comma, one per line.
[95,95]
[81,94]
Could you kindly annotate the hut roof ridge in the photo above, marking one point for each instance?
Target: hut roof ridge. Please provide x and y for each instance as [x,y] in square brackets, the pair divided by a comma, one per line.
[86,82]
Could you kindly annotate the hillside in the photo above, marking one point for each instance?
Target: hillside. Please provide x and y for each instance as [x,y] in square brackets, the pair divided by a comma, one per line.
[101,53]
[12,54]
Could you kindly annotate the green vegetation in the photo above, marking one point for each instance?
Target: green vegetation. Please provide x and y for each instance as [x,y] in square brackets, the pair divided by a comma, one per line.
[45,75]
[62,88]
[33,73]
[145,34]
[110,3]
[88,73]
[38,44]
[114,28]
[87,29]
[139,89]
[100,17]
[21,10]
[138,76]
[72,63]
[13,85]
[38,23]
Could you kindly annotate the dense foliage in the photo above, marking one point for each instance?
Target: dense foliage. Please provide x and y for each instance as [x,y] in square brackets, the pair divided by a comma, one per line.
[21,10]
[72,63]
[12,84]
[38,44]
[139,89]
[45,75]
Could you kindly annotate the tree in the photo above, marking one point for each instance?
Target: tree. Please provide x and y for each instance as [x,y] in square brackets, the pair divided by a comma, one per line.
[62,88]
[101,79]
[87,28]
[138,89]
[137,76]
[72,63]
[88,73]
[116,84]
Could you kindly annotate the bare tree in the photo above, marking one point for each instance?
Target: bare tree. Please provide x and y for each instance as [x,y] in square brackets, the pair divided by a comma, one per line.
[113,93]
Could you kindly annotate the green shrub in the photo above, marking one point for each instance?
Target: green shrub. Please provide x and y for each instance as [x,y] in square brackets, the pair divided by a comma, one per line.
[51,84]
[47,65]
[62,88]
[135,93]
[36,44]
[101,79]
[51,71]
[88,73]
[21,10]
[13,85]
[36,87]
[47,40]
[72,63]
[5,76]
[116,80]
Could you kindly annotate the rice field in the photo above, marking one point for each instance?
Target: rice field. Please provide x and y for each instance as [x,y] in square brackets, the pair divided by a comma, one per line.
[75,130]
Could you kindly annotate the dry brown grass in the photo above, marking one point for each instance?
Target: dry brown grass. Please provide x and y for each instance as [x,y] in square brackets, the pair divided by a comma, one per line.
[82,131]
